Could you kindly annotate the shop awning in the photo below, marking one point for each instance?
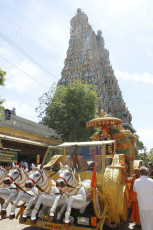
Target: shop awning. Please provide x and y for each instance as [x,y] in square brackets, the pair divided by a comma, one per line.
[23,140]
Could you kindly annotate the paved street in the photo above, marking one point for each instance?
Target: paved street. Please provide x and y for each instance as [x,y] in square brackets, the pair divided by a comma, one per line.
[7,224]
[14,225]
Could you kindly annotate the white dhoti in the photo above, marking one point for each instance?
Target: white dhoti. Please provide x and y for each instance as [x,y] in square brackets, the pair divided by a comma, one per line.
[146,218]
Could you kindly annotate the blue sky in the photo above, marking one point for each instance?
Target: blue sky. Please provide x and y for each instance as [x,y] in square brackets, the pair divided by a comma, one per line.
[41,28]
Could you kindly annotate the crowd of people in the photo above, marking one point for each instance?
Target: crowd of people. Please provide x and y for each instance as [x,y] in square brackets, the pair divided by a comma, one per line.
[9,166]
[141,195]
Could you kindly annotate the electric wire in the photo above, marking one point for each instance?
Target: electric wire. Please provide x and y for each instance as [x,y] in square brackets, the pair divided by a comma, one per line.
[27,55]
[23,72]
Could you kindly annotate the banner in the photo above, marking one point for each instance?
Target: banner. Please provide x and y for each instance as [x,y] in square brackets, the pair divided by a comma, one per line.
[8,155]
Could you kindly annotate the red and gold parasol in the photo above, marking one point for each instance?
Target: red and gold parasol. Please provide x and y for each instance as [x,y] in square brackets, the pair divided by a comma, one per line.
[104,120]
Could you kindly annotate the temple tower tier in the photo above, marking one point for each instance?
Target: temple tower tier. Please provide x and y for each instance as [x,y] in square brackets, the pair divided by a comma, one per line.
[88,60]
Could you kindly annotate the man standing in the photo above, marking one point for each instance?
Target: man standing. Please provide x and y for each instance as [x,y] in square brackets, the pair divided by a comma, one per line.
[135,217]
[144,188]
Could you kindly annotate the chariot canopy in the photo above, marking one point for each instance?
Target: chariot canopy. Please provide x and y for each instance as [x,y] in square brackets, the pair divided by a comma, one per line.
[87,143]
[84,154]
[104,120]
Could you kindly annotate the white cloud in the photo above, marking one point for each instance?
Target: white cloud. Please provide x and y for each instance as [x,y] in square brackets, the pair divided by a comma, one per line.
[22,110]
[119,4]
[149,53]
[145,77]
[146,97]
[146,136]
[52,33]
[146,40]
[5,52]
[104,24]
[20,82]
[146,133]
[146,17]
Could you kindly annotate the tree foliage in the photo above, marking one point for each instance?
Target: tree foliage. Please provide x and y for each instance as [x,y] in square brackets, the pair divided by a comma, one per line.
[2,80]
[150,155]
[139,144]
[66,109]
[2,77]
[146,157]
[143,157]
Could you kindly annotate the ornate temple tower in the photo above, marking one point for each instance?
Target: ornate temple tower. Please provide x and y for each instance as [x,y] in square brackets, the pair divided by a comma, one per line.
[88,60]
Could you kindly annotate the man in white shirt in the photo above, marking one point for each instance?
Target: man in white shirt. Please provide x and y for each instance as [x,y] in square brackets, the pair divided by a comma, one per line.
[144,188]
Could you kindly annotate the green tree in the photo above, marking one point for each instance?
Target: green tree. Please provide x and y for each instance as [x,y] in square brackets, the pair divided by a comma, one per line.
[150,155]
[139,144]
[151,151]
[143,157]
[66,109]
[141,147]
[2,80]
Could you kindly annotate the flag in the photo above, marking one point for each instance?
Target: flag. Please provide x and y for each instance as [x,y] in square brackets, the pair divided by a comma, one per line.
[93,180]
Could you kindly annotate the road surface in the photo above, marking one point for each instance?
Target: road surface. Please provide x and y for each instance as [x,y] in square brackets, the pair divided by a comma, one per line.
[6,224]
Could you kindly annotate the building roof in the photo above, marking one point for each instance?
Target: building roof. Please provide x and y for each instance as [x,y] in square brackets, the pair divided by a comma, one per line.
[22,130]
[23,140]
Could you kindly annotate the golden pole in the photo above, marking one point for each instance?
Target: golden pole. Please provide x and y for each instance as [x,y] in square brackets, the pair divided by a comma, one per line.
[45,155]
[103,158]
[38,159]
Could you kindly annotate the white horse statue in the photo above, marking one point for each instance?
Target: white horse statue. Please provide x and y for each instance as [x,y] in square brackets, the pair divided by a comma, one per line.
[19,176]
[47,190]
[75,193]
[8,193]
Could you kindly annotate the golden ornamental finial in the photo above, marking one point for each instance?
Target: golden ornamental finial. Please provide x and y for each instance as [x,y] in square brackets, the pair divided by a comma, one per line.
[102,113]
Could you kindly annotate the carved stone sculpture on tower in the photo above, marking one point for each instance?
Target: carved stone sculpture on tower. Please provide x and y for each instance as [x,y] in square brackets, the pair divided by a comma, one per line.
[88,60]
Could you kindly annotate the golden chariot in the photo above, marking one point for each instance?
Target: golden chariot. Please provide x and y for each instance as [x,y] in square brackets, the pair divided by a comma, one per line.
[112,150]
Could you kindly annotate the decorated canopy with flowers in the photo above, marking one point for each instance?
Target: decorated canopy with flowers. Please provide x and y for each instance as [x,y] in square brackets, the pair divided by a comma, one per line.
[104,120]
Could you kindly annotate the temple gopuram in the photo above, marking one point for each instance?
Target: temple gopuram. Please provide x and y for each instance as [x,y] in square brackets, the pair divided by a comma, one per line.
[88,60]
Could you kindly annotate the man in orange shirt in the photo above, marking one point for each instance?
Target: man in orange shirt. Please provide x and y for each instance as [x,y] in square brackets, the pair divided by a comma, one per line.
[135,217]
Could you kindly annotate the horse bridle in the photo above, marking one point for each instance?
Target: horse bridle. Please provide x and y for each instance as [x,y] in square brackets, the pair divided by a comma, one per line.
[66,181]
[35,182]
[16,177]
[41,176]
[17,184]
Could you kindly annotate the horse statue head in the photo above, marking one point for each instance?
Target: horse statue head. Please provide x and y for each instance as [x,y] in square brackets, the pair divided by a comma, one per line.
[36,176]
[72,189]
[46,186]
[66,177]
[16,174]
